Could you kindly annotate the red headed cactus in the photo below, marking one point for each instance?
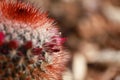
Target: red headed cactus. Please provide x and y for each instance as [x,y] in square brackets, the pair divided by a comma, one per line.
[30,44]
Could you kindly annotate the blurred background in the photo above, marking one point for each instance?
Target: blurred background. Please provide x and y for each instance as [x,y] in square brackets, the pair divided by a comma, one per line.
[92,28]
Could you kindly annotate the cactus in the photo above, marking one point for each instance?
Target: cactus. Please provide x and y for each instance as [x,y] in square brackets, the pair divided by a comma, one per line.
[30,44]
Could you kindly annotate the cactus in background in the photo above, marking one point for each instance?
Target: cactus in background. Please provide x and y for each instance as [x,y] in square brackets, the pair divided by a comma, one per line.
[30,44]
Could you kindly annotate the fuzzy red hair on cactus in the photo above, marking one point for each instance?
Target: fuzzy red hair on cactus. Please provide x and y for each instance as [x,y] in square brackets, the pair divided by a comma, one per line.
[30,44]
